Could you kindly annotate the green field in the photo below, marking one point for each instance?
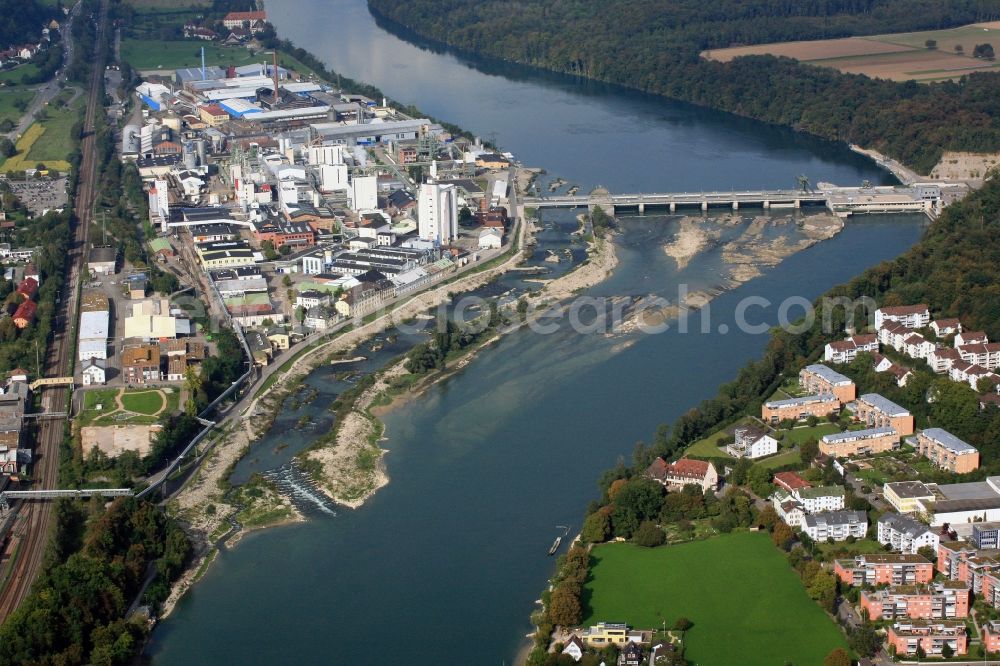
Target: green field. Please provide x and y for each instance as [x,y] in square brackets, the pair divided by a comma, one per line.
[56,142]
[782,458]
[747,604]
[12,77]
[9,98]
[799,435]
[146,402]
[161,54]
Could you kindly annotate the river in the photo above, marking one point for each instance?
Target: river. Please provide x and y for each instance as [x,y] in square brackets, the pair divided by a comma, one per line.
[443,565]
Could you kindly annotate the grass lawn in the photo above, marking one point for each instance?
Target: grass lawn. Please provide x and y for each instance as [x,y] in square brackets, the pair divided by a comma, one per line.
[143,402]
[14,76]
[748,606]
[784,458]
[9,97]
[799,435]
[145,54]
[707,447]
[162,54]
[842,549]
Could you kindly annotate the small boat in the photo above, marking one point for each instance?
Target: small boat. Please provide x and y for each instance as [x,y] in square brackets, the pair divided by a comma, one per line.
[558,541]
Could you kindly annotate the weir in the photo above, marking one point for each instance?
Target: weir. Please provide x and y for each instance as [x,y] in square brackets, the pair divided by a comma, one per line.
[927,198]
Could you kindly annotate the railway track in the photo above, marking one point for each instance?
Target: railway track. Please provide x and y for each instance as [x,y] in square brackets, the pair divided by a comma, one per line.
[36,516]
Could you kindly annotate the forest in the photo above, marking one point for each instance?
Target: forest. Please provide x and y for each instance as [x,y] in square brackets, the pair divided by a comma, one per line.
[21,21]
[654,46]
[99,560]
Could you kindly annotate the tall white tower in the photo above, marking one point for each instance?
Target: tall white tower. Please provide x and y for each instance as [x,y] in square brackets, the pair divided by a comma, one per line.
[437,212]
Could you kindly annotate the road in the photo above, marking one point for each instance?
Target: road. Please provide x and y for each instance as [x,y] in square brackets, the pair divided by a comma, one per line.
[37,515]
[47,91]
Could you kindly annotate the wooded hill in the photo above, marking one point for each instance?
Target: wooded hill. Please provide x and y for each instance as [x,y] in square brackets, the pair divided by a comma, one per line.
[654,46]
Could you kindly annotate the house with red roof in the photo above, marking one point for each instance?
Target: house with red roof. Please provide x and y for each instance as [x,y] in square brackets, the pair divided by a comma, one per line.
[684,472]
[25,314]
[28,288]
[790,481]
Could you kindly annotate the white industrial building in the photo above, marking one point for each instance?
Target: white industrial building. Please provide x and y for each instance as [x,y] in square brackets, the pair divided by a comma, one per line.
[364,193]
[437,212]
[93,339]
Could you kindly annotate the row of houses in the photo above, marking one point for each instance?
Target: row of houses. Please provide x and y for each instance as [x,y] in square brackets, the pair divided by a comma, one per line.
[166,361]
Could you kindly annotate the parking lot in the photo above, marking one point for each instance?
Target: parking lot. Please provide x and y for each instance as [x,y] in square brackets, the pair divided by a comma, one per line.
[40,194]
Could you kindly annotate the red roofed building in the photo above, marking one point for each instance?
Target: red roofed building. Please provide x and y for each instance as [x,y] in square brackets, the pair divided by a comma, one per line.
[28,288]
[238,19]
[684,472]
[25,314]
[790,481]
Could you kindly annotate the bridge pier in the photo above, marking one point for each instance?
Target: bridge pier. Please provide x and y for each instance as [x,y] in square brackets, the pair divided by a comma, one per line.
[673,207]
[798,203]
[767,204]
[736,205]
[642,208]
[704,205]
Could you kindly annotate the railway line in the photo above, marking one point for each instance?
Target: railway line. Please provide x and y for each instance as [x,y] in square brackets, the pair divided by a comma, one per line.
[34,524]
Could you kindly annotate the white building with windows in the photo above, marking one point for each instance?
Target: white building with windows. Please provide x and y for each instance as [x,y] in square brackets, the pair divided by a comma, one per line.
[836,525]
[905,534]
[437,212]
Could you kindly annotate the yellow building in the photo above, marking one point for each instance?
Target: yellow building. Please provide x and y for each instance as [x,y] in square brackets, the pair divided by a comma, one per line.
[278,338]
[213,115]
[606,633]
[906,496]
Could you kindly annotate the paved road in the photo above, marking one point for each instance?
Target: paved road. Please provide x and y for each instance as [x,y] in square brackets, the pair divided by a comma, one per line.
[47,91]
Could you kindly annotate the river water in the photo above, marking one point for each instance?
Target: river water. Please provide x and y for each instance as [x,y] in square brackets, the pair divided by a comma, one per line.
[443,565]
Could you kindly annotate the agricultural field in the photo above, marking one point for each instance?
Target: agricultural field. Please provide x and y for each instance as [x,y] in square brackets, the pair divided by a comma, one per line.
[898,57]
[737,589]
[47,141]
[10,98]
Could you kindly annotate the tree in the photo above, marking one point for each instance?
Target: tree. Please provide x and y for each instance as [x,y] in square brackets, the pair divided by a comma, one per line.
[864,640]
[931,44]
[465,217]
[267,247]
[740,472]
[7,148]
[782,535]
[683,624]
[564,606]
[286,280]
[650,535]
[193,385]
[928,552]
[636,500]
[824,590]
[808,450]
[984,51]
[285,250]
[597,527]
[837,657]
[959,48]
[946,651]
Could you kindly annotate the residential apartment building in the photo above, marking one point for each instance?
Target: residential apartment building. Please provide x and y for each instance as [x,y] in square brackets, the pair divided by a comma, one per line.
[947,451]
[952,559]
[990,632]
[985,354]
[878,412]
[684,472]
[846,350]
[752,442]
[859,442]
[888,568]
[775,411]
[821,380]
[905,534]
[822,498]
[910,316]
[941,600]
[836,525]
[930,635]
